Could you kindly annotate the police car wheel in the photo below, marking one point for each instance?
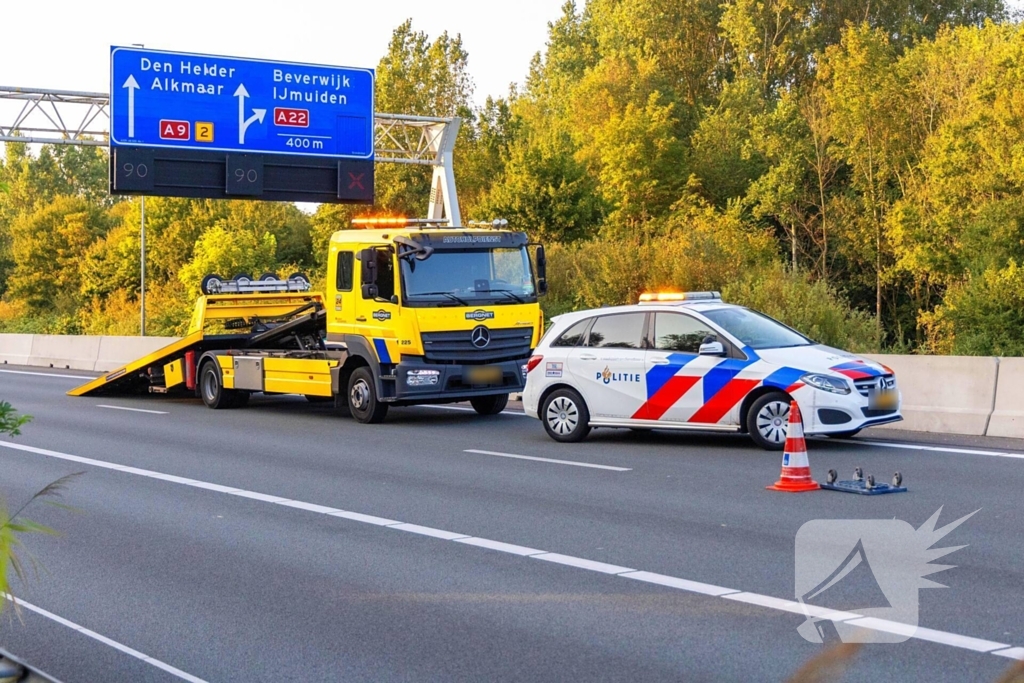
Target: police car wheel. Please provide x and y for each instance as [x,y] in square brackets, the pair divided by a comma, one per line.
[565,416]
[489,405]
[768,421]
[362,398]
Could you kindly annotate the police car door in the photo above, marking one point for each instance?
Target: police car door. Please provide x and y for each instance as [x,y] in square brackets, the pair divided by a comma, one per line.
[608,369]
[674,368]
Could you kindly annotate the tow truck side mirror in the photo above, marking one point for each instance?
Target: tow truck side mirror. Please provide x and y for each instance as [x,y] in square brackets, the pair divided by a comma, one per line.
[542,271]
[368,259]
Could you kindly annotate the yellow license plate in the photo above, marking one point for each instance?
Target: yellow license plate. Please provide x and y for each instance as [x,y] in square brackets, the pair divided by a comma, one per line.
[487,374]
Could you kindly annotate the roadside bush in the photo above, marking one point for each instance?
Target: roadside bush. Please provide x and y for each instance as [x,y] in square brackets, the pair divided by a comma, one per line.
[808,306]
[983,316]
[696,248]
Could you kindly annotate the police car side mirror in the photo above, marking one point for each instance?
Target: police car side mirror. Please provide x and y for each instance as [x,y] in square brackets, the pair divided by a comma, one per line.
[712,348]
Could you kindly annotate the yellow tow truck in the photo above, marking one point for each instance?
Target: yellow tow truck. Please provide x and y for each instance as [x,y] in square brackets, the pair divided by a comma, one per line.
[415,312]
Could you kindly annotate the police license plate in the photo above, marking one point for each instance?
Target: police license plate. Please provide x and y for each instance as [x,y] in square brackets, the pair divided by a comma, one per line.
[883,399]
[485,374]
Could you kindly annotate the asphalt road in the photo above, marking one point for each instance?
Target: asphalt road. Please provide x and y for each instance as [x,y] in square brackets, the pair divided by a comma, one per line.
[247,545]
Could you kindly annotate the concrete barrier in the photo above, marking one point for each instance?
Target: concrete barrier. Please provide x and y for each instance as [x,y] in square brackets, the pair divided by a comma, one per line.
[75,352]
[117,351]
[1008,413]
[15,348]
[950,394]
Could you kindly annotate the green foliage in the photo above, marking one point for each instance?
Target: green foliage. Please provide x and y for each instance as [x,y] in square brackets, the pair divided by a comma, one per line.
[983,316]
[227,253]
[10,422]
[13,555]
[805,304]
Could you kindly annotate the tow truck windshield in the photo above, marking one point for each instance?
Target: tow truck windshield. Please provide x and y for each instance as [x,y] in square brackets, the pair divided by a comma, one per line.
[469,277]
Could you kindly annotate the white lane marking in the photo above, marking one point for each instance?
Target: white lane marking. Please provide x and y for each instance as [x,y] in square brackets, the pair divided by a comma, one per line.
[766,601]
[551,460]
[106,641]
[48,374]
[937,449]
[134,410]
[581,563]
[499,546]
[681,584]
[464,409]
[428,531]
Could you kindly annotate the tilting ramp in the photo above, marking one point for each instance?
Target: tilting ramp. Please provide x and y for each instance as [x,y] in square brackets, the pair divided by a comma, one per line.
[130,373]
[276,318]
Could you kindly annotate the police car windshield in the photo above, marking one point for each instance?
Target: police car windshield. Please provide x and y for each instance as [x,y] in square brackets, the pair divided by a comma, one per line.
[754,329]
[469,277]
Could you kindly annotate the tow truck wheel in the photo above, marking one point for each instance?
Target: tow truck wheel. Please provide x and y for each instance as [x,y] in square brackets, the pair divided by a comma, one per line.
[768,421]
[489,405]
[212,390]
[362,398]
[565,416]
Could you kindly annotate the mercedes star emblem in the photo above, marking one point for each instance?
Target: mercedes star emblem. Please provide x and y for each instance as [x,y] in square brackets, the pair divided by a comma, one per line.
[480,337]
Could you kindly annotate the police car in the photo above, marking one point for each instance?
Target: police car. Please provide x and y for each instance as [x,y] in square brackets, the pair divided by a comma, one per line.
[690,361]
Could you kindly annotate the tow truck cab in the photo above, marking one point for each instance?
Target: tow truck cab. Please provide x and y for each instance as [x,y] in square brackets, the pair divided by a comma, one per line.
[435,314]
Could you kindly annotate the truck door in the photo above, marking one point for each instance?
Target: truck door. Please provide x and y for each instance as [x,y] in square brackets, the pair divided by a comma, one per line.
[342,309]
[609,367]
[378,315]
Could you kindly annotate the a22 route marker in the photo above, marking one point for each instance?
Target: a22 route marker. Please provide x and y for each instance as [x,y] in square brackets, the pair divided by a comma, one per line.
[295,118]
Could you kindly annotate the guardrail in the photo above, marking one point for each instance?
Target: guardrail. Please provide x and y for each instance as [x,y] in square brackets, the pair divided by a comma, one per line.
[978,396]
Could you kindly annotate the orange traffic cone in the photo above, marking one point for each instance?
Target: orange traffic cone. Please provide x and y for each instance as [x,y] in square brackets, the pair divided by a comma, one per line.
[796,471]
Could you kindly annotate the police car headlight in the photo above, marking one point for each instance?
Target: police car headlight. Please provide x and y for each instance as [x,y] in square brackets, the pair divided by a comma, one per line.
[422,378]
[832,385]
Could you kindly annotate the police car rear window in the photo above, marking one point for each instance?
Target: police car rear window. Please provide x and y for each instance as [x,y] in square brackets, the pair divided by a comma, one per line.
[623,331]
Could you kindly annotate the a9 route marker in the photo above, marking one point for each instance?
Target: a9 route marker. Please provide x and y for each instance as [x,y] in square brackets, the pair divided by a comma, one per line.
[175,130]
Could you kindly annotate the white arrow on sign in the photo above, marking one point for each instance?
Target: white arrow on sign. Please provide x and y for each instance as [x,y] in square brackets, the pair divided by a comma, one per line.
[243,123]
[132,86]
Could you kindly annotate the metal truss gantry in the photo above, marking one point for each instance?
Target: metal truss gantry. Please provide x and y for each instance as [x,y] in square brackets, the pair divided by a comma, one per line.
[66,117]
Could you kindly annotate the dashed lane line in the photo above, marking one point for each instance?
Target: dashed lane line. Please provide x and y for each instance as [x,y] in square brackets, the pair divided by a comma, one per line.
[574,463]
[134,410]
[766,601]
[174,671]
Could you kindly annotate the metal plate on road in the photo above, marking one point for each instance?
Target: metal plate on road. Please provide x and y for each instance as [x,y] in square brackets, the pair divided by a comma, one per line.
[211,103]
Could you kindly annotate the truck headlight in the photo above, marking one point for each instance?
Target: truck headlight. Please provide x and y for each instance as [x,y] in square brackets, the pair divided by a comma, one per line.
[832,385]
[422,378]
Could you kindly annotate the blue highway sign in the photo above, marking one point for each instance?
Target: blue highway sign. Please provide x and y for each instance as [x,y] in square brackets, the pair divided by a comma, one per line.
[204,102]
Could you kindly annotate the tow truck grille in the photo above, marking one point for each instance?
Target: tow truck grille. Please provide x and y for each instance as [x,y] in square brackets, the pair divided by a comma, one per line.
[864,386]
[457,347]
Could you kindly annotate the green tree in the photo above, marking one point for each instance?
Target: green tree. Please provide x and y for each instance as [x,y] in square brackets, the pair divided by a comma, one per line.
[47,245]
[226,252]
